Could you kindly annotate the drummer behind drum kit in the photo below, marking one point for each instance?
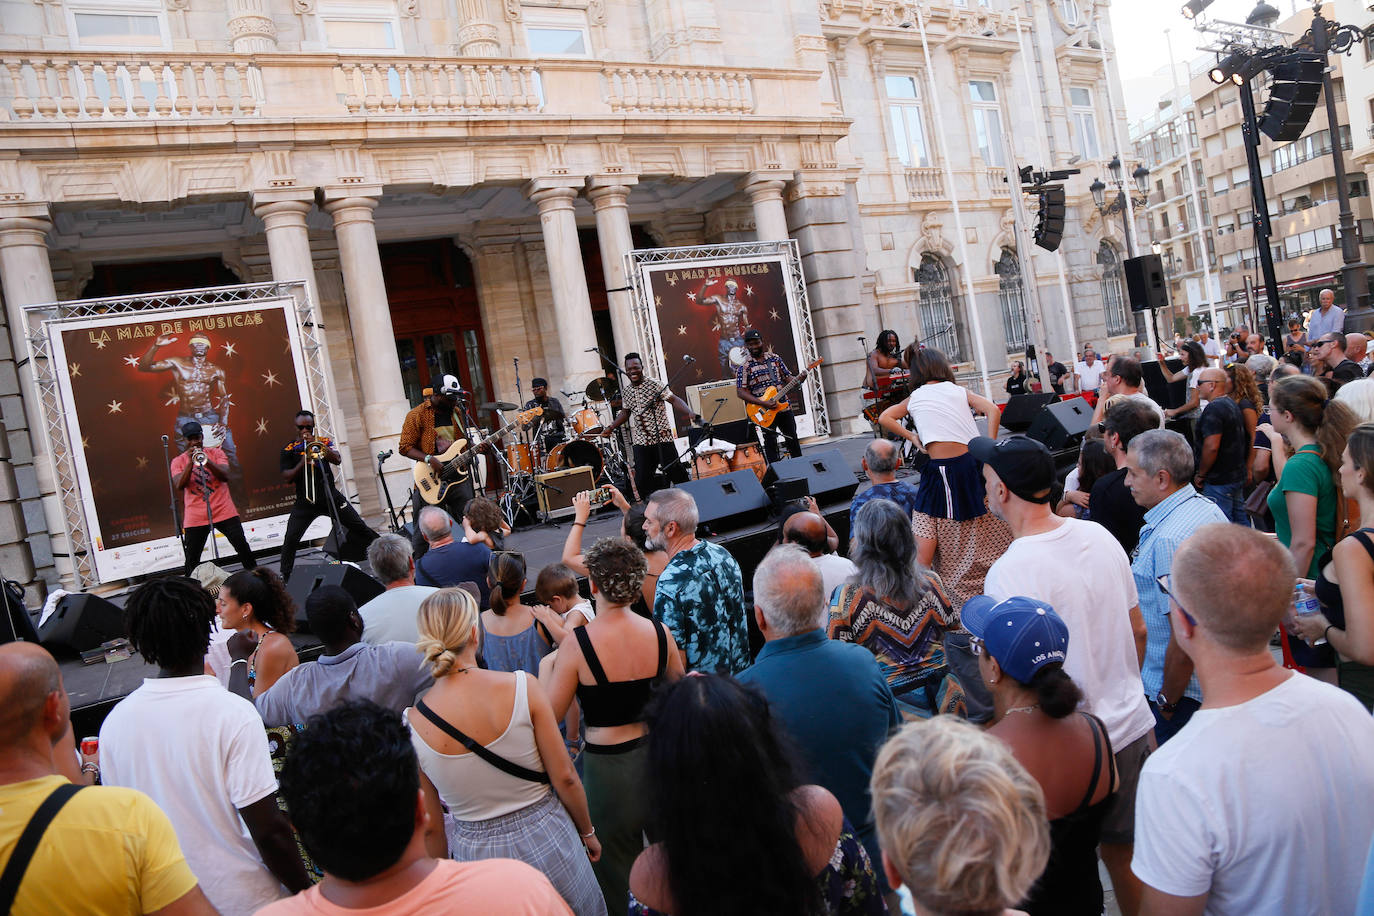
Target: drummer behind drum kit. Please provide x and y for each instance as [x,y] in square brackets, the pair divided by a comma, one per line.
[533,474]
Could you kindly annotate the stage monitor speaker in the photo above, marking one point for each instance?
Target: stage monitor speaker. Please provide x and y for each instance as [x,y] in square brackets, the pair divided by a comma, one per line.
[702,398]
[81,622]
[1145,286]
[1061,425]
[1020,411]
[1163,392]
[729,501]
[306,577]
[827,475]
[556,489]
[17,625]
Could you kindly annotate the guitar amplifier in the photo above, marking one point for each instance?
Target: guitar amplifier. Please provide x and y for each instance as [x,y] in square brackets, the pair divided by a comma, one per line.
[702,398]
[556,489]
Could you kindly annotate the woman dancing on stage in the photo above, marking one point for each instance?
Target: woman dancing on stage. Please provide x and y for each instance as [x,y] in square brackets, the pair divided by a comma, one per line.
[956,535]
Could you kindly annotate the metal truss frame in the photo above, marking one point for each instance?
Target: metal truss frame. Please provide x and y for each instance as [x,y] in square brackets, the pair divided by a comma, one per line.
[45,320]
[634,260]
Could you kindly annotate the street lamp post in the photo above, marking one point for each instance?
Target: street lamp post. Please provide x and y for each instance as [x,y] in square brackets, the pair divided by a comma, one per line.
[1118,204]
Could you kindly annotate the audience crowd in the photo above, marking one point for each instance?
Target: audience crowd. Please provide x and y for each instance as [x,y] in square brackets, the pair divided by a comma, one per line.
[984,689]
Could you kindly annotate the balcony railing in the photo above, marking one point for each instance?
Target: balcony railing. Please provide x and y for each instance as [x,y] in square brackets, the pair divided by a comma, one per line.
[677,89]
[925,183]
[82,87]
[389,86]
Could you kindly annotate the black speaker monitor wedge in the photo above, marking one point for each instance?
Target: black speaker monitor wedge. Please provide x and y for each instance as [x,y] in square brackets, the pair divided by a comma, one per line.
[1061,424]
[79,623]
[828,476]
[1019,412]
[306,577]
[729,501]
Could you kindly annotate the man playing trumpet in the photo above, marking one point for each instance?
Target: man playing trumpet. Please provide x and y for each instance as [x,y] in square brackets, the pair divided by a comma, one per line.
[305,462]
[202,475]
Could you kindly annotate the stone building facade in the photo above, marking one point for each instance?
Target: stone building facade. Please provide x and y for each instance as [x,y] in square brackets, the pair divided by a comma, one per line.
[458,180]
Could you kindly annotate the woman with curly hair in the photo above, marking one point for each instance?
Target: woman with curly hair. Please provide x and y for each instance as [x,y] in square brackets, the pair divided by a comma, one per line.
[612,667]
[739,831]
[254,602]
[1242,388]
[489,748]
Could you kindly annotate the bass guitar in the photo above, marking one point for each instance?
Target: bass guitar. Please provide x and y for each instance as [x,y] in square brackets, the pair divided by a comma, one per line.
[434,487]
[764,416]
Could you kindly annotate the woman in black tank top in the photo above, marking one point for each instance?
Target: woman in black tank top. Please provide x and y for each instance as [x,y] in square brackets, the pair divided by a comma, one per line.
[612,667]
[1345,585]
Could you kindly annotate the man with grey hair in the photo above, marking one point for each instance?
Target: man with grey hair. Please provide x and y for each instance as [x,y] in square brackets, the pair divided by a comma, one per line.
[803,673]
[1329,360]
[1159,471]
[449,562]
[1357,350]
[390,617]
[1327,318]
[700,593]
[880,464]
[1218,810]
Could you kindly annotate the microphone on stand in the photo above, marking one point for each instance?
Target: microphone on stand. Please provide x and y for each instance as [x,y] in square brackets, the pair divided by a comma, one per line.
[592,350]
[382,456]
[166,439]
[688,359]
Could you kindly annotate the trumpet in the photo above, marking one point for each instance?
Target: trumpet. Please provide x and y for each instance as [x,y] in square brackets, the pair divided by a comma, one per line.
[199,458]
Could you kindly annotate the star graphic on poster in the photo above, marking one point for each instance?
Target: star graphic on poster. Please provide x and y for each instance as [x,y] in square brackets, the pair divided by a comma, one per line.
[85,444]
[142,462]
[115,407]
[658,301]
[99,343]
[748,290]
[74,369]
[262,425]
[773,313]
[672,280]
[682,330]
[692,296]
[229,349]
[131,361]
[700,373]
[270,378]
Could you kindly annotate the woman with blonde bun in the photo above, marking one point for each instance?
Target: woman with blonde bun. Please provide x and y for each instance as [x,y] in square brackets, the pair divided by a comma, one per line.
[489,747]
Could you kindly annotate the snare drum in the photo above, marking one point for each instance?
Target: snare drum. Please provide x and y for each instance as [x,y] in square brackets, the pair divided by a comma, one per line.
[572,454]
[520,457]
[749,456]
[586,422]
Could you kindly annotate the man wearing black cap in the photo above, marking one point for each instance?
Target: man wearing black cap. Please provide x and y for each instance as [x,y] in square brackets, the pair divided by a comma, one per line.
[203,481]
[315,491]
[430,429]
[759,372]
[1079,569]
[548,428]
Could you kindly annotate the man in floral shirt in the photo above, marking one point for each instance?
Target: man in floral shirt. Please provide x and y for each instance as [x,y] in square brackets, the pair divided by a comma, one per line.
[700,593]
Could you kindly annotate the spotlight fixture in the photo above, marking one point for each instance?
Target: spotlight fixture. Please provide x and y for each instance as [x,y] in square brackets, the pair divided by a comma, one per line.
[1293,96]
[1231,67]
[1193,7]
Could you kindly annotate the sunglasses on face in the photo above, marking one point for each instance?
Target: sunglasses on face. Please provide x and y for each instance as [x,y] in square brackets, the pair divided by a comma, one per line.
[305,426]
[1163,583]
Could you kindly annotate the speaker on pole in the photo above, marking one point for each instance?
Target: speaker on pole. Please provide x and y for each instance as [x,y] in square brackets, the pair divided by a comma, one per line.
[1145,285]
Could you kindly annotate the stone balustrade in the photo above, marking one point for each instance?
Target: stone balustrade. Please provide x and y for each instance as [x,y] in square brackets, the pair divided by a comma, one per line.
[925,183]
[997,182]
[390,86]
[95,86]
[680,90]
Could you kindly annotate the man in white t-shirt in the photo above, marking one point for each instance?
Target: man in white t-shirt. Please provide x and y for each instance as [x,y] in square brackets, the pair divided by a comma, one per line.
[1088,371]
[1080,570]
[1123,376]
[201,753]
[1264,801]
[390,617]
[1210,348]
[810,532]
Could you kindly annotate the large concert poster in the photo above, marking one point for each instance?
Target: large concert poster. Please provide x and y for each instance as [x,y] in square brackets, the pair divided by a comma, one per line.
[702,307]
[129,380]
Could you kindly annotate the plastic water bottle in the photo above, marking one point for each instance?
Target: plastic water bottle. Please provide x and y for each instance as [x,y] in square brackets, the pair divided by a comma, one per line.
[1305,604]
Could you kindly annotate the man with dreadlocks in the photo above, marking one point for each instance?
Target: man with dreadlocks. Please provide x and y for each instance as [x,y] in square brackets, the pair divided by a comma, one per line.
[201,753]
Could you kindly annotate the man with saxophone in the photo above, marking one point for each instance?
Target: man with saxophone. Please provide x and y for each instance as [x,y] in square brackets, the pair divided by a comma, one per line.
[202,475]
[305,462]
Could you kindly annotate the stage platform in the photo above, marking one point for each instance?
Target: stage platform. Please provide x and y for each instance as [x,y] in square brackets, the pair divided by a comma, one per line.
[95,688]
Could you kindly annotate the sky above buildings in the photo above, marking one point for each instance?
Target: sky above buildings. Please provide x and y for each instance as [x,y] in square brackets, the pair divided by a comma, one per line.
[1143,51]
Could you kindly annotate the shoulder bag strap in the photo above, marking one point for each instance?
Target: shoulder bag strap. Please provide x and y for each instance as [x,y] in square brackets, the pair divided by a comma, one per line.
[28,842]
[593,663]
[496,760]
[662,632]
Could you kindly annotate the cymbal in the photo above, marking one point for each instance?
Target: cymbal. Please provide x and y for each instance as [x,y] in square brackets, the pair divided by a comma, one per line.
[498,405]
[602,389]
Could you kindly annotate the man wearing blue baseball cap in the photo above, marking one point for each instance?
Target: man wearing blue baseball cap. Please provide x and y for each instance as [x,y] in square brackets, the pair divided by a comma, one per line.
[1080,570]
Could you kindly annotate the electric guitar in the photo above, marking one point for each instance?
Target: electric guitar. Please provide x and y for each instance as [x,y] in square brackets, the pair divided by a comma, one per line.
[434,487]
[764,416]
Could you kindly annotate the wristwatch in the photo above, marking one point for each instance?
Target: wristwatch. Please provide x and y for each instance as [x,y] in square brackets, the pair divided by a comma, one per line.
[1163,704]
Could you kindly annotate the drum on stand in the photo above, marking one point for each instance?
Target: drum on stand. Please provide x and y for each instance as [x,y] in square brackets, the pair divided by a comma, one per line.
[749,456]
[710,464]
[586,422]
[575,453]
[520,457]
[479,465]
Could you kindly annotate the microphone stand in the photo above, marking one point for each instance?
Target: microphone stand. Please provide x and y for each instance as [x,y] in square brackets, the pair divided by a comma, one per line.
[391,509]
[209,513]
[172,492]
[708,434]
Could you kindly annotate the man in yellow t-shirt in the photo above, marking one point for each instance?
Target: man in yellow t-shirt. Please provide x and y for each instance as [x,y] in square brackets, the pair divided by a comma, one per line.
[108,850]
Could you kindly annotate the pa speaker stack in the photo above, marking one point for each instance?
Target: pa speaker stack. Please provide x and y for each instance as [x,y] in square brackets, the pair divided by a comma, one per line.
[1145,286]
[307,577]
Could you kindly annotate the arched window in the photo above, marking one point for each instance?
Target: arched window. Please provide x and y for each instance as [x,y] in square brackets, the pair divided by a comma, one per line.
[1113,300]
[1011,295]
[935,307]
[1070,12]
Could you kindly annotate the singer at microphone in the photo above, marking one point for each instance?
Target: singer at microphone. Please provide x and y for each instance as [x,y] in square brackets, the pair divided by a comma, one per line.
[651,434]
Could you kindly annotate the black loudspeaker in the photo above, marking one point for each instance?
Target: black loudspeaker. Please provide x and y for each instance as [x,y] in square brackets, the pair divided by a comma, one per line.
[306,577]
[1020,411]
[80,623]
[1163,392]
[827,475]
[1061,425]
[1145,283]
[729,501]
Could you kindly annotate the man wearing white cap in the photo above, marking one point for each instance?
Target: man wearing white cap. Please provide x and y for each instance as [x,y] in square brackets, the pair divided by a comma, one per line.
[429,430]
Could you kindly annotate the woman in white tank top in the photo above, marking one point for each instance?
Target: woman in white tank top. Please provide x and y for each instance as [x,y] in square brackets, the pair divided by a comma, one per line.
[956,536]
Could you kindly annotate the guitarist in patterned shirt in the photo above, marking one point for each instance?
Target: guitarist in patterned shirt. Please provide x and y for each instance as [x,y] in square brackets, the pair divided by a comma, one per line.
[429,430]
[752,381]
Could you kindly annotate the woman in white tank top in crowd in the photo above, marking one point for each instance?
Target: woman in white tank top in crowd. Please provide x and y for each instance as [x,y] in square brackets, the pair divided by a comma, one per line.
[956,535]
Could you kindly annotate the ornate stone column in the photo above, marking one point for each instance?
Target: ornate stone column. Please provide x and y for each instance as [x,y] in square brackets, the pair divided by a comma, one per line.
[610,198]
[572,307]
[288,239]
[369,319]
[477,36]
[251,28]
[26,279]
[765,193]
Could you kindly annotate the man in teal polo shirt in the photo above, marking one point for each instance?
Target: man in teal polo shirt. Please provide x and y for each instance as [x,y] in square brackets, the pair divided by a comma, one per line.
[830,696]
